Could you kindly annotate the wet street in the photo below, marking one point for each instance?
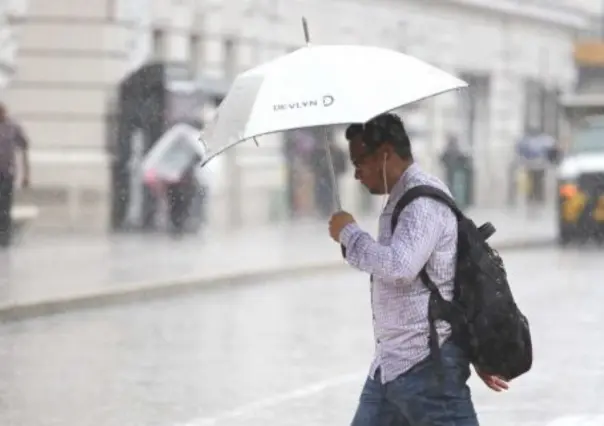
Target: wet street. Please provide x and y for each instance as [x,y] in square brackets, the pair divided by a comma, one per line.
[286,353]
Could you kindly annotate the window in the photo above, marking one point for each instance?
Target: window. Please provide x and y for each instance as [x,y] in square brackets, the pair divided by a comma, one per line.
[229,62]
[195,54]
[533,105]
[159,44]
[588,139]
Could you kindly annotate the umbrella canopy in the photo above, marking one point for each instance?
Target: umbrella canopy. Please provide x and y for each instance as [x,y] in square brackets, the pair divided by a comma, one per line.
[176,151]
[322,85]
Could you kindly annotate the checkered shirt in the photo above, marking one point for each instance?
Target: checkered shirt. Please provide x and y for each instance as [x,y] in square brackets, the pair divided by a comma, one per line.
[426,234]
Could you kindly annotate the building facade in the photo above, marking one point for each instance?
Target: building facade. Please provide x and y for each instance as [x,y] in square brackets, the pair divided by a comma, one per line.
[12,13]
[72,53]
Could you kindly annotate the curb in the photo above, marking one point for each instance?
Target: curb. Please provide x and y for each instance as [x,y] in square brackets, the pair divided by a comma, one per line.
[178,287]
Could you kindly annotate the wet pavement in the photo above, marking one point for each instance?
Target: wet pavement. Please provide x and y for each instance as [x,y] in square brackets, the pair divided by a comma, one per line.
[289,353]
[53,268]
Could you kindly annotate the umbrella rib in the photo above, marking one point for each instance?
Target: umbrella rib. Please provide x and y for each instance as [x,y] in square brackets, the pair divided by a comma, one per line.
[220,151]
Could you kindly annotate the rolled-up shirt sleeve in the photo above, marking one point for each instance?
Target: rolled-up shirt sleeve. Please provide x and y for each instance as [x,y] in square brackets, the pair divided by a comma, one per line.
[420,227]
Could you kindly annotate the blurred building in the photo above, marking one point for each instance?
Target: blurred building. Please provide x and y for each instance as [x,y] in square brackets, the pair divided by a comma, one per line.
[72,53]
[11,13]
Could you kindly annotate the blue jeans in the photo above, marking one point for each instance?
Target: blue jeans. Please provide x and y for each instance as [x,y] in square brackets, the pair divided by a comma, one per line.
[418,398]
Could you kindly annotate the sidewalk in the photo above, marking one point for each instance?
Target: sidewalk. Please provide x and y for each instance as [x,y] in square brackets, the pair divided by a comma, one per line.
[50,275]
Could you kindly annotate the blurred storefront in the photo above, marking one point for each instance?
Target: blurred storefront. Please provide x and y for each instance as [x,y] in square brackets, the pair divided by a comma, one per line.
[73,54]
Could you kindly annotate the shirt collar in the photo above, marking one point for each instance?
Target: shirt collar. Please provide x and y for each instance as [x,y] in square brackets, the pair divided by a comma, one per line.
[401,184]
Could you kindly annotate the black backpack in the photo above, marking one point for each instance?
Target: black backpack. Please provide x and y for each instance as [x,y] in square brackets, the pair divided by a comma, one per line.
[485,320]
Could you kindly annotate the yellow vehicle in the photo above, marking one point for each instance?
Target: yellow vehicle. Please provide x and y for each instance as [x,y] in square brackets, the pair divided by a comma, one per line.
[581,184]
[581,172]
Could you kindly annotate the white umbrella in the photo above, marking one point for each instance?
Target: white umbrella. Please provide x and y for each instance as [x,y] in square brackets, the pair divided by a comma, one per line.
[174,152]
[319,86]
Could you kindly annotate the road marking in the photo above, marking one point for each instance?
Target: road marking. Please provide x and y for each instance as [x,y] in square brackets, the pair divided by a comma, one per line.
[318,387]
[276,400]
[589,420]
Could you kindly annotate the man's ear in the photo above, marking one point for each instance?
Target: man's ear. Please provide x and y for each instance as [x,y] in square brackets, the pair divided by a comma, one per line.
[388,152]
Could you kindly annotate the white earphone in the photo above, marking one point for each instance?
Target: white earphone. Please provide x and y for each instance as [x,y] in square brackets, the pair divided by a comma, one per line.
[386,195]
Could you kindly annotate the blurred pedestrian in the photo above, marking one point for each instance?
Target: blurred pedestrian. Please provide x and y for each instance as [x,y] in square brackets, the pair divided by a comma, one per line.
[458,171]
[402,387]
[536,154]
[12,142]
[180,195]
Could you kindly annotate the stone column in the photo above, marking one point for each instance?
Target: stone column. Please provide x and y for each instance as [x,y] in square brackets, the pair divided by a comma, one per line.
[505,111]
[71,55]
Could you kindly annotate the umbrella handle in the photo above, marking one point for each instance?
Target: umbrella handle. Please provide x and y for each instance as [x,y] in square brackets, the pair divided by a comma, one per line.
[343,250]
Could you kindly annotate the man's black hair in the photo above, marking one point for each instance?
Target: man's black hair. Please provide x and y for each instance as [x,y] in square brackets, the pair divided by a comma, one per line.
[385,128]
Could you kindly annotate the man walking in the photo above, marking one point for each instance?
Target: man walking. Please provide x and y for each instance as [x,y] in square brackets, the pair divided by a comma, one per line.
[12,141]
[402,388]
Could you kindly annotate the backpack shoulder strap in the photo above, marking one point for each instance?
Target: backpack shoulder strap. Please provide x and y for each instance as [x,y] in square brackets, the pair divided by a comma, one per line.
[422,191]
[405,200]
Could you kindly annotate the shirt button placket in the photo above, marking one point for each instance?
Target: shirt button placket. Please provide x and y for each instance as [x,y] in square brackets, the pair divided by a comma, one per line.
[375,328]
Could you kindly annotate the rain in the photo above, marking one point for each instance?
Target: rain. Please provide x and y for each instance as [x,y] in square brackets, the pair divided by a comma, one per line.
[165,254]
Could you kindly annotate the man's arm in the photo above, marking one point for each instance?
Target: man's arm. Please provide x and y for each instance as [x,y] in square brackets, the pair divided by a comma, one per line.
[23,145]
[419,229]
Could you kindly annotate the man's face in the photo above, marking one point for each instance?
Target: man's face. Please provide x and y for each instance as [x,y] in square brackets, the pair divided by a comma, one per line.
[368,166]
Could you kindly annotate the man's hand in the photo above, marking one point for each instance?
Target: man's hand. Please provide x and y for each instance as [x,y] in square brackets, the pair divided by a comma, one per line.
[337,222]
[493,382]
